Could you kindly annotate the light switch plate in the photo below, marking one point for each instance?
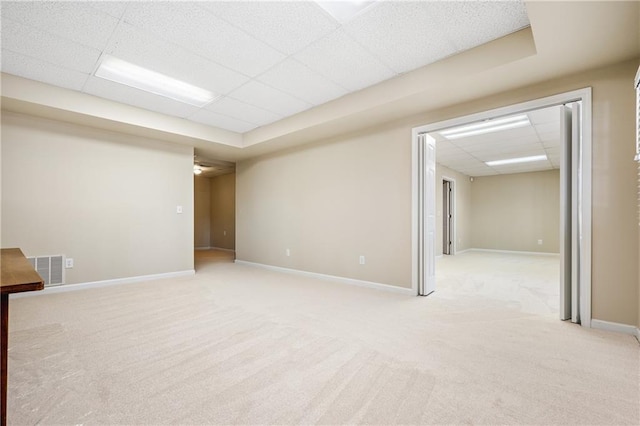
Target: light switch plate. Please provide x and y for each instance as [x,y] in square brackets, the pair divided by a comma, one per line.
[179,209]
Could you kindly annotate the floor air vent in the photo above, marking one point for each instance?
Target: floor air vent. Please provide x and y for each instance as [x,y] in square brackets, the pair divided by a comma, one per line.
[50,268]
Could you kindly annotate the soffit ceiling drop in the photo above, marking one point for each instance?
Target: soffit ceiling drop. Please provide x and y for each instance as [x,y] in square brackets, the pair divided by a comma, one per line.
[265,60]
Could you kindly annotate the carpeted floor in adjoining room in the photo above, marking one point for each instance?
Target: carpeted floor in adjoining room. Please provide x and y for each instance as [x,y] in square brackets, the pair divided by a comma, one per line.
[236,344]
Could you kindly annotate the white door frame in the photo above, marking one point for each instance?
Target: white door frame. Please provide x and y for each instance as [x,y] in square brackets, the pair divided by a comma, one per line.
[583,95]
[452,203]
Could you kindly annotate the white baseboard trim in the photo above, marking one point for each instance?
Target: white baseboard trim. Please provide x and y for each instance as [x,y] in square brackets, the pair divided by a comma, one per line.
[538,253]
[95,284]
[463,251]
[614,326]
[222,249]
[342,280]
[202,248]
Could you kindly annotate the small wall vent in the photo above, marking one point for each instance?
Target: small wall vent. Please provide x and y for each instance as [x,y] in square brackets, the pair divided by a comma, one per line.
[50,268]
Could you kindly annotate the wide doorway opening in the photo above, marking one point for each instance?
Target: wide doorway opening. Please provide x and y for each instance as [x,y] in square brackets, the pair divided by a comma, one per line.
[508,189]
[214,188]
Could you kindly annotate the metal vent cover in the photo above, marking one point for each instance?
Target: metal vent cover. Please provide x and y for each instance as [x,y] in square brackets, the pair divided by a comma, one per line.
[50,268]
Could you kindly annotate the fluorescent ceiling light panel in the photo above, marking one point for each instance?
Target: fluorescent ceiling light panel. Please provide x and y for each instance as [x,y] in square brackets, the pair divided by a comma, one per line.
[488,126]
[126,73]
[516,160]
[343,11]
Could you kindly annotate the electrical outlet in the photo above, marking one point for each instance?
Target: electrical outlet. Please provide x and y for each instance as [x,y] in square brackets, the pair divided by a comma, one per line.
[539,242]
[362,260]
[68,263]
[224,233]
[288,252]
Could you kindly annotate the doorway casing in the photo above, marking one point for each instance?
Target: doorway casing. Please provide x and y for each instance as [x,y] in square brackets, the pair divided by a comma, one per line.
[584,189]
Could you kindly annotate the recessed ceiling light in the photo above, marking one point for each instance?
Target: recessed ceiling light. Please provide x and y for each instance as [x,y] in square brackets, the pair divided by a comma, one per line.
[343,11]
[516,160]
[488,126]
[126,73]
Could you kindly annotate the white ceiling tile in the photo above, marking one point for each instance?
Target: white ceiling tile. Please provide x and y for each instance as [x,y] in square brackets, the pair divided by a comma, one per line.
[453,155]
[196,29]
[344,61]
[555,162]
[519,135]
[141,48]
[265,97]
[548,128]
[555,151]
[443,144]
[511,144]
[472,23]
[211,118]
[35,69]
[402,34]
[220,46]
[468,163]
[526,133]
[298,80]
[128,95]
[287,26]
[451,152]
[551,143]
[500,145]
[545,115]
[75,21]
[46,47]
[460,154]
[113,8]
[243,111]
[344,11]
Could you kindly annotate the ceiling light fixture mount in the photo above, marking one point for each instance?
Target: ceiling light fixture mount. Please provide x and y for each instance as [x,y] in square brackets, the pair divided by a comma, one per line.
[488,126]
[123,72]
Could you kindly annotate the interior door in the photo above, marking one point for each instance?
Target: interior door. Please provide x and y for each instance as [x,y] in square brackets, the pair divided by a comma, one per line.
[427,214]
[570,221]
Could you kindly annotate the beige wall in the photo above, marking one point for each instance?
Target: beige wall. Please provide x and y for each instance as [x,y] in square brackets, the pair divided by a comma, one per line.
[202,211]
[615,248]
[463,209]
[223,211]
[104,199]
[513,212]
[330,203]
[350,196]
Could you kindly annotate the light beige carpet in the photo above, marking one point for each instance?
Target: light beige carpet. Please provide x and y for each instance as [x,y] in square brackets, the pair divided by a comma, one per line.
[242,345]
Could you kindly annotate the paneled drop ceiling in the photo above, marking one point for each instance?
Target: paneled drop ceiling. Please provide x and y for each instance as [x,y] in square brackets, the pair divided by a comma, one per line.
[468,155]
[265,60]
